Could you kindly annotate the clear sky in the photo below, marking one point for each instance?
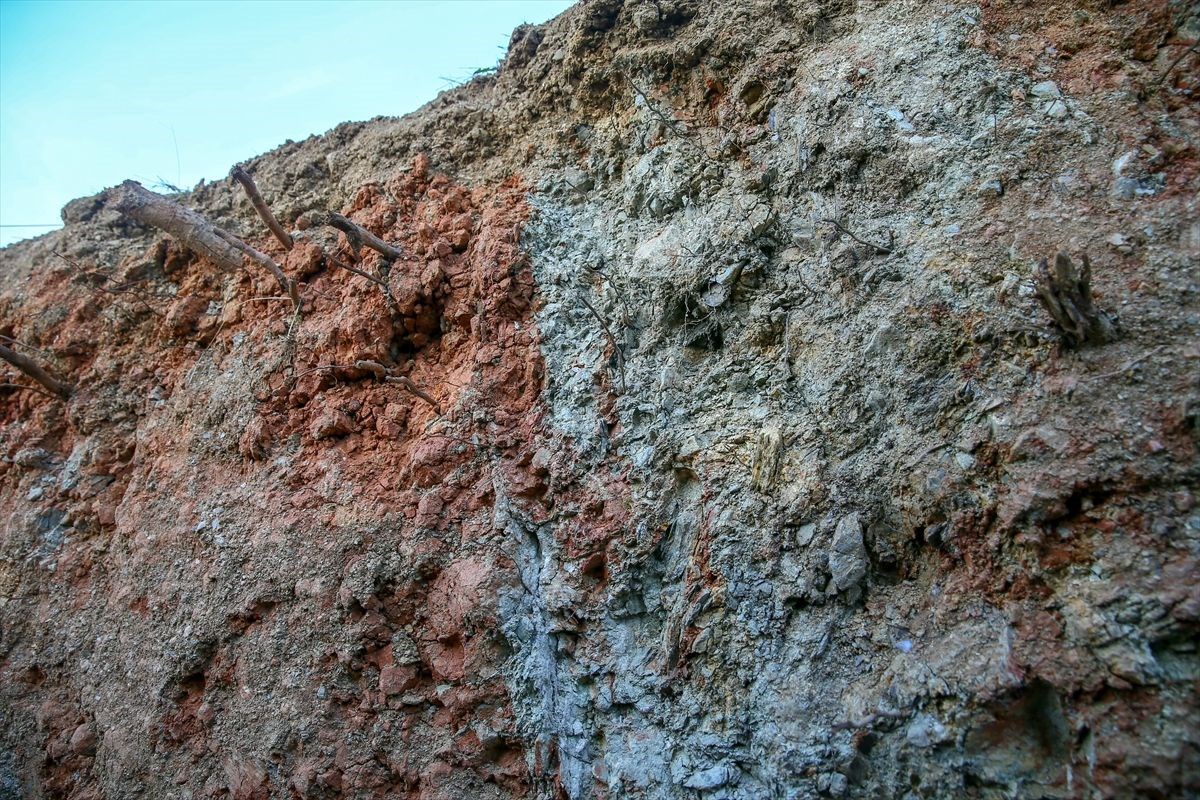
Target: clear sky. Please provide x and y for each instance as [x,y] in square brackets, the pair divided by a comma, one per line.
[163,92]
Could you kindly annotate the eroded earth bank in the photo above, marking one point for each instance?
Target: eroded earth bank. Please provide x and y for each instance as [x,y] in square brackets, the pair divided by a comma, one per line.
[755,467]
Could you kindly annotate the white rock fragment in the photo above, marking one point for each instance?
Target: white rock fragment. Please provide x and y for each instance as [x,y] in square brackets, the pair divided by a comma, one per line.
[926,731]
[1057,109]
[1046,90]
[1119,242]
[712,778]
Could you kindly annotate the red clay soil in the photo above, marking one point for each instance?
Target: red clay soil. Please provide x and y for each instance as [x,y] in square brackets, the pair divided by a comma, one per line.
[358,449]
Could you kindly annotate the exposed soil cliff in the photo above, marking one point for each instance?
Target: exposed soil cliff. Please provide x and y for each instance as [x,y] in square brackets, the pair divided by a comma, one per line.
[755,467]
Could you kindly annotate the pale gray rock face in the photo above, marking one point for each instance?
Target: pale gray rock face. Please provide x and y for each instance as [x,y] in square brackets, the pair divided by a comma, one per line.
[780,395]
[818,501]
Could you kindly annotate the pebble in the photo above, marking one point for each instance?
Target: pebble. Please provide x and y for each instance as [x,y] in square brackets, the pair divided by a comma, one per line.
[897,116]
[1119,242]
[848,559]
[1046,90]
[1051,96]
[925,731]
[1057,109]
[712,778]
[834,784]
[991,188]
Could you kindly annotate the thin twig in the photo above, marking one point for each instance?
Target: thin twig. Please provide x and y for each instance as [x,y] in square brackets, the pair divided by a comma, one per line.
[287,285]
[308,287]
[380,371]
[28,388]
[337,262]
[670,123]
[385,374]
[1128,365]
[256,199]
[603,276]
[322,368]
[121,288]
[612,340]
[212,342]
[412,387]
[843,229]
[295,323]
[26,345]
[1162,79]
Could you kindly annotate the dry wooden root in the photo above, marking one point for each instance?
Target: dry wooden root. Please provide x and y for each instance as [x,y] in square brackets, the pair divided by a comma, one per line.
[29,367]
[1066,292]
[382,372]
[256,199]
[374,367]
[876,249]
[357,235]
[337,262]
[360,237]
[413,388]
[194,232]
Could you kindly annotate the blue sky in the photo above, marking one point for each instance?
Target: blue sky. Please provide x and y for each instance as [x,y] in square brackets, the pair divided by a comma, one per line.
[95,92]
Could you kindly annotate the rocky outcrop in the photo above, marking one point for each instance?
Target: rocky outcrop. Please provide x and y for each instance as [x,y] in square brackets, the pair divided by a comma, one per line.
[755,465]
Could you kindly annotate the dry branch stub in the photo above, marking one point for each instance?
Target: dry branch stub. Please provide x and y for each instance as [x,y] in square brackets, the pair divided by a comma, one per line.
[361,237]
[33,370]
[260,205]
[1066,292]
